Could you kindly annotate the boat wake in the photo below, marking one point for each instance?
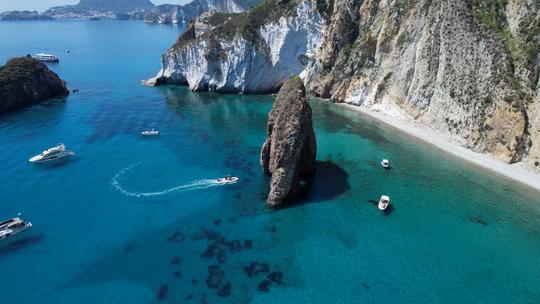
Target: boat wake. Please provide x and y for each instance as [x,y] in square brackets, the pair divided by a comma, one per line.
[193,185]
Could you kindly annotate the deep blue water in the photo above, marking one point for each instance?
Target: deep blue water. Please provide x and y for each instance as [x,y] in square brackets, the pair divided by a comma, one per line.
[133,220]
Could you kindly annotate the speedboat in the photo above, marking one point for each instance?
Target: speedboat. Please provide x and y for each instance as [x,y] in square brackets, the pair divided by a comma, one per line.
[384,202]
[13,226]
[152,132]
[54,153]
[227,180]
[385,163]
[45,57]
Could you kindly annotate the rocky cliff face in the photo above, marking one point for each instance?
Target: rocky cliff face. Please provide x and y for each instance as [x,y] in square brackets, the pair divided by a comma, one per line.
[468,69]
[251,52]
[182,14]
[290,149]
[25,81]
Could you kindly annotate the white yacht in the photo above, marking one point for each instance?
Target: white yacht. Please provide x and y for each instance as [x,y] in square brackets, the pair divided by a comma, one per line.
[12,227]
[384,202]
[151,132]
[45,57]
[227,180]
[51,154]
[385,163]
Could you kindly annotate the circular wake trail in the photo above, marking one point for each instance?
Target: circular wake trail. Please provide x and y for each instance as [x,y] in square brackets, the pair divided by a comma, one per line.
[194,185]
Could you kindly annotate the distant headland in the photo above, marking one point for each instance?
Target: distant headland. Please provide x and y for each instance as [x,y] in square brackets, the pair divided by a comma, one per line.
[131,10]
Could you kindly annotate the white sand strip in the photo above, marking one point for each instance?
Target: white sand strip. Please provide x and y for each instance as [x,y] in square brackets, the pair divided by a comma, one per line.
[483,160]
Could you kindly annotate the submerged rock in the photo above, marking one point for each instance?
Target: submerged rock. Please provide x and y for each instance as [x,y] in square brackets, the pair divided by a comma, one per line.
[290,148]
[26,81]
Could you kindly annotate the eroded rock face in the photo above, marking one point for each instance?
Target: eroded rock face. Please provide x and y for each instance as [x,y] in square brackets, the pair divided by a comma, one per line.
[25,81]
[273,42]
[290,148]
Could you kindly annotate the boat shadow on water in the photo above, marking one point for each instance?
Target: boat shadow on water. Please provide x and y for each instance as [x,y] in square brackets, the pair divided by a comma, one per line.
[57,163]
[12,246]
[386,212]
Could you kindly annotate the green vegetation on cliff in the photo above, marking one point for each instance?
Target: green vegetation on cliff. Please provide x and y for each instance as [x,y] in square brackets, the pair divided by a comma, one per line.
[522,45]
[246,24]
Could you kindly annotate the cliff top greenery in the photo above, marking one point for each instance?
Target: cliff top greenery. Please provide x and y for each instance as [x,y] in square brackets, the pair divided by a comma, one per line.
[523,46]
[17,69]
[248,23]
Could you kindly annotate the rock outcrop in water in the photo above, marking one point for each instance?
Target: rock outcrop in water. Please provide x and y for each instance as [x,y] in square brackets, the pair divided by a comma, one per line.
[25,81]
[469,70]
[290,148]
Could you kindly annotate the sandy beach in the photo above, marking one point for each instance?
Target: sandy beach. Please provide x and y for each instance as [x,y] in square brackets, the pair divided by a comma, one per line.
[514,171]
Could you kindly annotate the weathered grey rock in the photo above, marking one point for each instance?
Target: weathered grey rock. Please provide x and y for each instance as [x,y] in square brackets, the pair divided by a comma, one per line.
[26,81]
[290,148]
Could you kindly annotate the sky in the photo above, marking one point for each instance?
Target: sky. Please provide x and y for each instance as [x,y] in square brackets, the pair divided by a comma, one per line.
[42,5]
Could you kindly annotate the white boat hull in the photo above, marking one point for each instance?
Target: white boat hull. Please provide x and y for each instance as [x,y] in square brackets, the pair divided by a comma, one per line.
[13,235]
[224,181]
[384,202]
[40,159]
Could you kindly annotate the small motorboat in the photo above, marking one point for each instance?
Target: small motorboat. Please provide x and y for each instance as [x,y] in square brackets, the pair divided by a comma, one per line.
[13,227]
[384,202]
[54,153]
[152,132]
[385,163]
[227,180]
[45,57]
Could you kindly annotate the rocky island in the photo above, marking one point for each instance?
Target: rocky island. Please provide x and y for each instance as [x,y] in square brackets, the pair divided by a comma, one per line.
[26,81]
[289,152]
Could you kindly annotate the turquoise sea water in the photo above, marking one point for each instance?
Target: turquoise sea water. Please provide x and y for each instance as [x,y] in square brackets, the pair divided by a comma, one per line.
[133,220]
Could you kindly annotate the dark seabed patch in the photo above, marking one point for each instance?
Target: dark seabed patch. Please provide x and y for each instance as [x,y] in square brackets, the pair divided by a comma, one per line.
[128,248]
[255,268]
[161,294]
[271,229]
[216,280]
[176,260]
[478,220]
[264,286]
[176,237]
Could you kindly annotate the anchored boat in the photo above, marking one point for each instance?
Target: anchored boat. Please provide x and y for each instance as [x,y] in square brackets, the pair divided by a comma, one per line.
[384,202]
[45,57]
[54,153]
[385,163]
[152,132]
[13,227]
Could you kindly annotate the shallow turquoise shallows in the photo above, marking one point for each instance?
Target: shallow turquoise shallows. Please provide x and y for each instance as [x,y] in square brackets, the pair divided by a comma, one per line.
[141,220]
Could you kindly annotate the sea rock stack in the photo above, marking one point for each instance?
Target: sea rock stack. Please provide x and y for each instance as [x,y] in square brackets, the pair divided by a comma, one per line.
[26,81]
[290,147]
